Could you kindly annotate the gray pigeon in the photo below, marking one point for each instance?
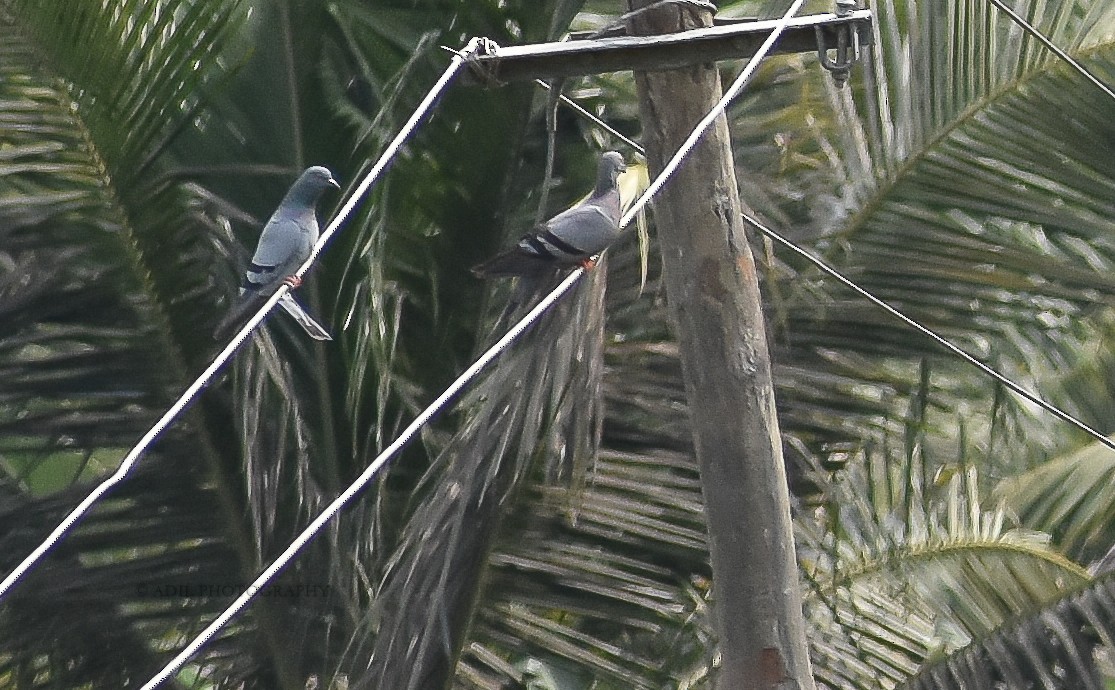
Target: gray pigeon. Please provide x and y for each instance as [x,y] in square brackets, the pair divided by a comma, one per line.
[283,247]
[572,237]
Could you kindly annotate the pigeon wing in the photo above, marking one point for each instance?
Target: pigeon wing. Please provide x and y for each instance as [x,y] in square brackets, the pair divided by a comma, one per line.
[571,236]
[588,228]
[283,246]
[512,262]
[565,240]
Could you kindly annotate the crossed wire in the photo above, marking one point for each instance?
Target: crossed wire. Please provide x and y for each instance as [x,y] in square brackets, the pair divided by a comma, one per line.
[656,185]
[133,456]
[475,46]
[366,477]
[866,294]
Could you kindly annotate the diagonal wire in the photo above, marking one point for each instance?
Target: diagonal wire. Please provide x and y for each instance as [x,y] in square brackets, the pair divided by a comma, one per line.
[1030,29]
[916,325]
[465,378]
[863,292]
[516,331]
[360,483]
[717,110]
[580,110]
[130,460]
[929,333]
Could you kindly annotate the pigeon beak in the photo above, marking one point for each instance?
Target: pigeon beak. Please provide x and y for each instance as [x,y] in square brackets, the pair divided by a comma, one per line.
[334,183]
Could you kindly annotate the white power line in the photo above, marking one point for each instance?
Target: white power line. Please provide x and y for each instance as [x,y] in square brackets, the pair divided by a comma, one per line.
[944,342]
[361,482]
[671,167]
[930,333]
[464,379]
[133,456]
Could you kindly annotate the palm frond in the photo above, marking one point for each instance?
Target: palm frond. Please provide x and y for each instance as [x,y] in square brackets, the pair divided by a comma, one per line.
[1069,497]
[104,296]
[580,569]
[963,201]
[1056,645]
[533,415]
[901,573]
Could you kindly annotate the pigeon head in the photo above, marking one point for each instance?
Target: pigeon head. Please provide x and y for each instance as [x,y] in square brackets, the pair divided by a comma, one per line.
[611,165]
[309,186]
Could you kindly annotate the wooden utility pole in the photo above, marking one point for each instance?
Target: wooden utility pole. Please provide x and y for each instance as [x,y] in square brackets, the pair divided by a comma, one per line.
[715,303]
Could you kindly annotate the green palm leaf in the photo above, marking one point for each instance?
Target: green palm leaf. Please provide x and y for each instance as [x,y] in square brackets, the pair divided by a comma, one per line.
[1069,497]
[963,202]
[971,200]
[1053,645]
[902,573]
[104,295]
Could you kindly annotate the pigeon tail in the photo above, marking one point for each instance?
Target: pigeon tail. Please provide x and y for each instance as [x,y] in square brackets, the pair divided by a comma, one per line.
[513,262]
[252,300]
[312,328]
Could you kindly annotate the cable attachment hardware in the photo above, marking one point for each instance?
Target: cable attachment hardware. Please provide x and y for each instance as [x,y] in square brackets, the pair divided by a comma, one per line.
[480,46]
[486,46]
[847,44]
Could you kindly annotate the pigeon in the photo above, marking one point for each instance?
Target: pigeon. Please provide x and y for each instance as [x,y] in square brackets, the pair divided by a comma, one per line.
[572,237]
[285,244]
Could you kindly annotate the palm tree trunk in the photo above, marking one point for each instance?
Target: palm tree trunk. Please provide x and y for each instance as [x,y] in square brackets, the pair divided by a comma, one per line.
[715,303]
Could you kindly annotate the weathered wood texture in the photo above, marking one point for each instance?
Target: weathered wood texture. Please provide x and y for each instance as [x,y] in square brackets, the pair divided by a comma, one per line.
[714,297]
[732,39]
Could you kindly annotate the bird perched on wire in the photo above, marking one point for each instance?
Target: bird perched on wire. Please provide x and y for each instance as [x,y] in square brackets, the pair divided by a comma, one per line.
[284,245]
[572,237]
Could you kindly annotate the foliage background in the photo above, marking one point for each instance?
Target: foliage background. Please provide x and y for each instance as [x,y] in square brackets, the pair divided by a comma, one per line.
[550,533]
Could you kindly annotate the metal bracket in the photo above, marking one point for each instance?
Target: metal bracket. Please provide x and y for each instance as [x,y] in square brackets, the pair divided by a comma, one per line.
[847,45]
[727,40]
